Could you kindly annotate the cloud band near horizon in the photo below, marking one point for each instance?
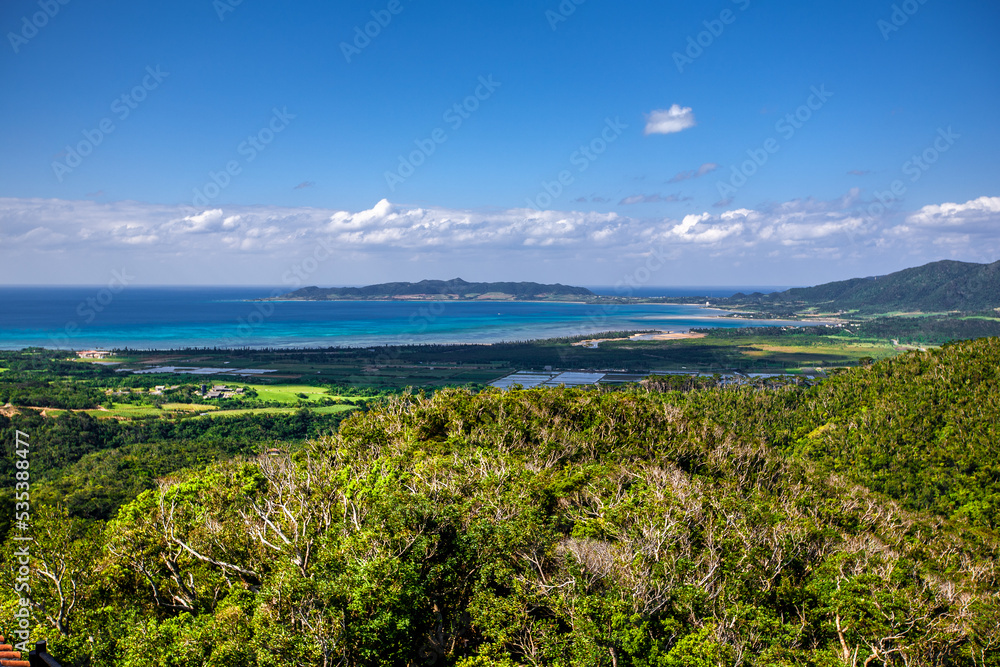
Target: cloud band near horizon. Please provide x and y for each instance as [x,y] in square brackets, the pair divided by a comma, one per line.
[170,236]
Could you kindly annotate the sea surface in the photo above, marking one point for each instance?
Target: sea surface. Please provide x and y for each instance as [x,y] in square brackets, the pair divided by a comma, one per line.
[81,318]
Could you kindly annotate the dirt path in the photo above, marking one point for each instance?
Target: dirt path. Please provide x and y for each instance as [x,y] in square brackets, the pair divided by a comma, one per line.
[11,410]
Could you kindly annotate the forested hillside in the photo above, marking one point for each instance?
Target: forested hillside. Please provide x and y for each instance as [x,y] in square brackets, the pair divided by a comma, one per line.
[923,428]
[937,287]
[438,288]
[852,523]
[92,466]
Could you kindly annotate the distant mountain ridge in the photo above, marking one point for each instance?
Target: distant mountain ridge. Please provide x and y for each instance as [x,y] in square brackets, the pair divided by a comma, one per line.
[936,287]
[441,289]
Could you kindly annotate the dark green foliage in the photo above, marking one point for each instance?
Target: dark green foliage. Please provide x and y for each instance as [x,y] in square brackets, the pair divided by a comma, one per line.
[931,329]
[35,362]
[923,428]
[64,440]
[795,334]
[92,466]
[459,287]
[556,352]
[569,527]
[44,394]
[937,287]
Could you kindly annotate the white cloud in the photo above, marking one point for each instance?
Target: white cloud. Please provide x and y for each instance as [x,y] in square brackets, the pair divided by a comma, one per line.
[706,229]
[668,121]
[265,241]
[972,213]
[968,231]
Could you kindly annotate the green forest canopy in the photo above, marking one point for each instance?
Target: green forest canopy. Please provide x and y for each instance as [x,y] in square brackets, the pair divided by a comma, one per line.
[439,288]
[849,523]
[936,287]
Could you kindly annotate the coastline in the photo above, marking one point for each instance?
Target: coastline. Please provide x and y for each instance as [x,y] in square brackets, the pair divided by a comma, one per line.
[594,343]
[159,318]
[599,301]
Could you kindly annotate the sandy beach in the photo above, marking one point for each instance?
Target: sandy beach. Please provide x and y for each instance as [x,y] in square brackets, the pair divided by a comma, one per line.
[662,335]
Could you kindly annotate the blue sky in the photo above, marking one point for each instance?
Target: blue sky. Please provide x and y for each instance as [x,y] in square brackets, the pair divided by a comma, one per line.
[319,129]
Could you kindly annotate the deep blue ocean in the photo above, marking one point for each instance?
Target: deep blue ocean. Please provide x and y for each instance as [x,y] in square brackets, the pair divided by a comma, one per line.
[180,317]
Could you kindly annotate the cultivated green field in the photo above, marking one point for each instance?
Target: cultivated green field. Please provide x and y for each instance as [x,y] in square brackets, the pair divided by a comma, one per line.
[324,410]
[128,411]
[189,407]
[289,393]
[791,354]
[125,411]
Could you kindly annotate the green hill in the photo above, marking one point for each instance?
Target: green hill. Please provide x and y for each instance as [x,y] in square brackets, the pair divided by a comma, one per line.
[922,428]
[845,524]
[937,287]
[441,289]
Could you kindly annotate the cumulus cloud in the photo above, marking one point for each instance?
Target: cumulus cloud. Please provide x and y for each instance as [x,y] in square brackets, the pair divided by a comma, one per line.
[669,121]
[212,220]
[258,237]
[982,214]
[970,230]
[421,228]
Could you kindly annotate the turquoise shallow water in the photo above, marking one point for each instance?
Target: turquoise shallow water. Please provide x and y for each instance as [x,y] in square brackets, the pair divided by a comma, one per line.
[180,317]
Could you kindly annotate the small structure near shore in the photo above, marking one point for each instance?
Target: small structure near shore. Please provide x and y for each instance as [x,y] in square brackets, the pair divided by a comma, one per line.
[93,354]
